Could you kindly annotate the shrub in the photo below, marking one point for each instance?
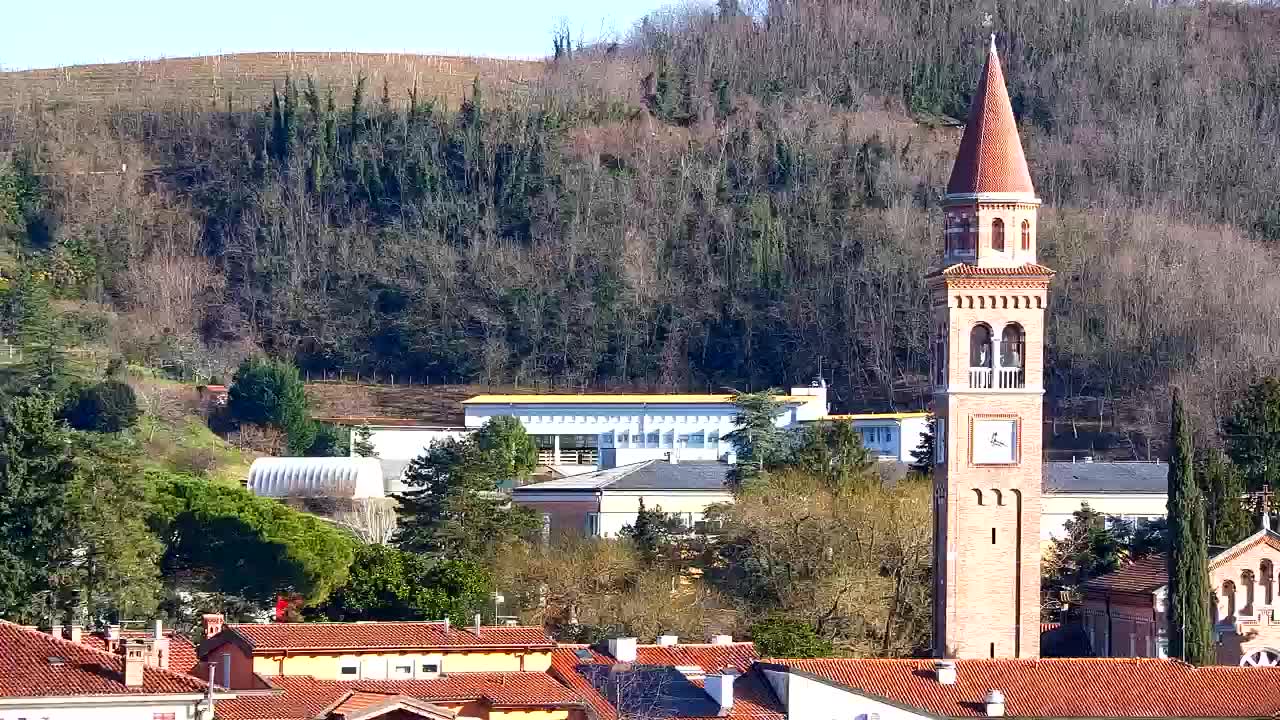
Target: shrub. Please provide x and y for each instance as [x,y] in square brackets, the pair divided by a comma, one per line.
[109,406]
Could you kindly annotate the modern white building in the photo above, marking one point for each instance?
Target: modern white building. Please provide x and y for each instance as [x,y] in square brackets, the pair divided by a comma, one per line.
[1136,492]
[891,436]
[583,433]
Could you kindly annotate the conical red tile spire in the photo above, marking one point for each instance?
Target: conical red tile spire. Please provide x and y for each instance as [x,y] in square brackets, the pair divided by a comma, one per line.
[990,158]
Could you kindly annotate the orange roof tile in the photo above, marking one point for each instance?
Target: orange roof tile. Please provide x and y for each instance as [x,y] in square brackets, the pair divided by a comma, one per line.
[1142,575]
[298,697]
[269,637]
[753,699]
[990,159]
[1060,688]
[965,270]
[35,664]
[182,654]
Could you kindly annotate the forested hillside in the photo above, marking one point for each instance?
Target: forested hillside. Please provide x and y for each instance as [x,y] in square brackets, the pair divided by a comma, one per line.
[733,196]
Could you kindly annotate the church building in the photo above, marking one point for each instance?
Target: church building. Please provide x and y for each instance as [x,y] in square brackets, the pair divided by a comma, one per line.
[988,303]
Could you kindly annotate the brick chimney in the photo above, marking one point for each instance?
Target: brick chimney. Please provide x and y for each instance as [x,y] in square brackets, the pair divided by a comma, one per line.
[158,648]
[212,623]
[135,662]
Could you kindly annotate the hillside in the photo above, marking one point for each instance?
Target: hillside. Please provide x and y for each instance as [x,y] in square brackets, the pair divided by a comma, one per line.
[245,80]
[724,200]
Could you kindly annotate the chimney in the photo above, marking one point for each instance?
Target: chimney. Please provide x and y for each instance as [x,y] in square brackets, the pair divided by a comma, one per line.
[113,632]
[721,639]
[158,648]
[995,704]
[135,663]
[212,623]
[77,633]
[945,672]
[720,687]
[56,630]
[477,624]
[157,631]
[446,626]
[623,649]
[668,640]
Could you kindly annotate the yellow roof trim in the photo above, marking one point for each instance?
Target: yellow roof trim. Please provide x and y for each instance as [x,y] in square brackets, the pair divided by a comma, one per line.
[878,416]
[617,399]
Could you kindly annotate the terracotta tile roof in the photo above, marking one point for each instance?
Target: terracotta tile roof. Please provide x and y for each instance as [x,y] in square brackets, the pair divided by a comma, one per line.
[182,653]
[990,159]
[27,670]
[965,270]
[660,684]
[303,697]
[1062,688]
[1143,575]
[268,637]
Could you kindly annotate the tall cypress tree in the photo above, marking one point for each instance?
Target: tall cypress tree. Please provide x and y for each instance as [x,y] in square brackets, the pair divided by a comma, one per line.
[1190,631]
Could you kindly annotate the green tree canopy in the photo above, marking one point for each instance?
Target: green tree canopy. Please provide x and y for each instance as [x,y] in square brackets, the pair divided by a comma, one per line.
[922,459]
[1089,547]
[362,442]
[507,448]
[1253,434]
[757,440]
[779,636]
[270,392]
[455,509]
[387,583]
[653,533]
[1228,520]
[833,451]
[224,539]
[109,406]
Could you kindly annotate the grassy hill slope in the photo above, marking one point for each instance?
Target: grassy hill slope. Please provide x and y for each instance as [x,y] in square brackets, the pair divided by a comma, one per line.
[245,80]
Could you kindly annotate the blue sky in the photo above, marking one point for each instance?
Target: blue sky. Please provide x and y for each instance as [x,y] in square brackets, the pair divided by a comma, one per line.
[48,33]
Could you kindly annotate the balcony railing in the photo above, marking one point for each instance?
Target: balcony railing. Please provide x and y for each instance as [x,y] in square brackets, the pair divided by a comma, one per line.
[569,457]
[985,378]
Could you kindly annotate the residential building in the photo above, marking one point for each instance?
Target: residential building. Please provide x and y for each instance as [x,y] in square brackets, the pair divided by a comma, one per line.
[1044,688]
[464,696]
[352,478]
[1124,611]
[987,367]
[44,676]
[368,651]
[601,503]
[172,650]
[577,434]
[1134,492]
[670,680]
[891,436]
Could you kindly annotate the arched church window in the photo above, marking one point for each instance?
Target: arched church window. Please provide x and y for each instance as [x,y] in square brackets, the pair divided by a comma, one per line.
[1229,594]
[980,346]
[1246,579]
[1267,572]
[1026,234]
[997,235]
[1012,343]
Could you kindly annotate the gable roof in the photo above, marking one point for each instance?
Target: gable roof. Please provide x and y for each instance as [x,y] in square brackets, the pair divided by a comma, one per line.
[1142,575]
[1059,688]
[658,684]
[990,158]
[302,697]
[647,475]
[337,637]
[1106,477]
[37,665]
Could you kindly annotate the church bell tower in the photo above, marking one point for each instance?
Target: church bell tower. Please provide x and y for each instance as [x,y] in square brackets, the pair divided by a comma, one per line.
[987,319]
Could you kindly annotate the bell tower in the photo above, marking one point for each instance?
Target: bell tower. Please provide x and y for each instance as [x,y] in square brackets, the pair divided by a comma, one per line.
[987,320]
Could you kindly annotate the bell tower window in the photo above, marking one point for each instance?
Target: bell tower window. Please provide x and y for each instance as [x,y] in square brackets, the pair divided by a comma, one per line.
[997,235]
[980,346]
[1026,234]
[1012,354]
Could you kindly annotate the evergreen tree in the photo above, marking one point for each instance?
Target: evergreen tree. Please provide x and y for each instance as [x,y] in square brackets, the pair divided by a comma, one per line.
[270,392]
[785,637]
[757,440]
[362,442]
[653,533]
[1253,434]
[110,406]
[41,339]
[1190,631]
[1229,521]
[922,456]
[833,451]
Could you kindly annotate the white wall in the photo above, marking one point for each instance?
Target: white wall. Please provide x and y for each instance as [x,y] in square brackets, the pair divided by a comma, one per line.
[810,699]
[81,708]
[619,508]
[407,443]
[1057,508]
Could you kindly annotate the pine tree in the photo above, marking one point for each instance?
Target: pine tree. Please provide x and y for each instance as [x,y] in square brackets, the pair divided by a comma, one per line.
[757,440]
[922,456]
[1190,631]
[1228,521]
[362,443]
[44,364]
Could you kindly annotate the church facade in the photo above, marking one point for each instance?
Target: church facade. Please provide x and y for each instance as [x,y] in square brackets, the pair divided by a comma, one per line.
[987,321]
[1124,611]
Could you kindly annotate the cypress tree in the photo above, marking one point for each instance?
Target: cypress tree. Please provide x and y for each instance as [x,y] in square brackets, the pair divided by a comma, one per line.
[1190,633]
